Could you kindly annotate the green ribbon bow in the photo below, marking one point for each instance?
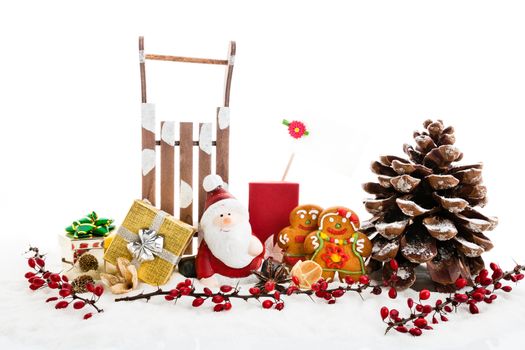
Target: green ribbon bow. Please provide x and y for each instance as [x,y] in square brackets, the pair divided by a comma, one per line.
[90,226]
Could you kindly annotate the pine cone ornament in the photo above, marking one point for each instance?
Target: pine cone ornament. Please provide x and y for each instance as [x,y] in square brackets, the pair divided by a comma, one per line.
[424,210]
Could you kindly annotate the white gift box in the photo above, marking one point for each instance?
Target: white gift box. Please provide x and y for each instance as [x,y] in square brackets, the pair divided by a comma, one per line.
[71,250]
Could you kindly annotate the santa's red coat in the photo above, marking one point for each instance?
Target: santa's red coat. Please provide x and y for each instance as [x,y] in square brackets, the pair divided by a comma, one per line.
[207,264]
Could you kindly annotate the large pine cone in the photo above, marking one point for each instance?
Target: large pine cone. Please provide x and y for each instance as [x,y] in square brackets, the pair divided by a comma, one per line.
[423,210]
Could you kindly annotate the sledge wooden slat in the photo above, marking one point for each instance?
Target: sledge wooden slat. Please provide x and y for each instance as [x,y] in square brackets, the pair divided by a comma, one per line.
[229,72]
[186,173]
[142,70]
[223,143]
[167,167]
[185,59]
[205,148]
[148,152]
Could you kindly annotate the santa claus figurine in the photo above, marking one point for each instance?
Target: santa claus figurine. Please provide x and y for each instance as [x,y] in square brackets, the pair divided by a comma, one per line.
[228,247]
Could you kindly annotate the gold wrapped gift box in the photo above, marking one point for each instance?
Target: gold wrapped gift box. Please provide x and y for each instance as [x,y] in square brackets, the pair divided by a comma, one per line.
[177,235]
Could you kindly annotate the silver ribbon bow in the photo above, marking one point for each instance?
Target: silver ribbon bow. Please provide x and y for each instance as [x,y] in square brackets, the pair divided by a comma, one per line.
[147,246]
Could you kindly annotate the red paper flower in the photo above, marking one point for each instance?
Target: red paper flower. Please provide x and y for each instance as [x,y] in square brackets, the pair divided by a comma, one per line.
[334,257]
[296,128]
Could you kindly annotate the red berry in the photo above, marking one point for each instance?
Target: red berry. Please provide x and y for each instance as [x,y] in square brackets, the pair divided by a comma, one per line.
[478,296]
[64,293]
[493,297]
[46,275]
[416,332]
[506,288]
[315,287]
[31,262]
[410,302]
[29,274]
[187,282]
[497,274]
[277,295]
[64,278]
[461,298]
[67,286]
[40,262]
[473,309]
[61,304]
[78,304]
[420,322]
[486,281]
[401,329]
[434,320]
[197,302]
[226,289]
[364,279]
[444,318]
[181,285]
[217,299]
[519,276]
[439,302]
[320,294]
[448,308]
[51,299]
[392,293]
[38,281]
[88,316]
[34,287]
[461,283]
[349,280]
[338,293]
[384,312]
[394,313]
[54,277]
[323,285]
[427,309]
[394,265]
[99,290]
[269,286]
[218,308]
[227,306]
[483,273]
[169,297]
[424,294]
[419,308]
[280,306]
[254,291]
[497,285]
[267,304]
[207,291]
[185,291]
[295,280]
[494,266]
[90,287]
[174,293]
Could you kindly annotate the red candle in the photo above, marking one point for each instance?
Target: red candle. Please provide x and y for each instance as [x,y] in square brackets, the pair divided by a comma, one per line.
[270,205]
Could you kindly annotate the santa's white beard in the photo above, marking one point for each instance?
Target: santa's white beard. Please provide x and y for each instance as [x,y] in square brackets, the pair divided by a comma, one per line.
[230,247]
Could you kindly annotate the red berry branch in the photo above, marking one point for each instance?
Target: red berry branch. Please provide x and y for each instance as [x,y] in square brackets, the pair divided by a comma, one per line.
[40,278]
[269,295]
[422,313]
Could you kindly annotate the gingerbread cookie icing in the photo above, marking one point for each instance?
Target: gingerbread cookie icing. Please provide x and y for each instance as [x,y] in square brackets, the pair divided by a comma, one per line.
[337,245]
[303,220]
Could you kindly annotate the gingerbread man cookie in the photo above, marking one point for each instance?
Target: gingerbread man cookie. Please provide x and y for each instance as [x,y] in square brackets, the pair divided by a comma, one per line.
[303,220]
[337,245]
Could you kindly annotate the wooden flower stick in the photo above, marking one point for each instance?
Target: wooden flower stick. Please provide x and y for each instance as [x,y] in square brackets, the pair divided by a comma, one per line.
[296,129]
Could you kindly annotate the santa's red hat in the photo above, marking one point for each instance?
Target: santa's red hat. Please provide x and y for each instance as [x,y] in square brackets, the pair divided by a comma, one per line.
[214,186]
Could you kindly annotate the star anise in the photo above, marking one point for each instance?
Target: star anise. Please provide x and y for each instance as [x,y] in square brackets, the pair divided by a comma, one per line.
[272,272]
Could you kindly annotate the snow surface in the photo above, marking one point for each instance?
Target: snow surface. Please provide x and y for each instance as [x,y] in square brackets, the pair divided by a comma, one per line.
[27,322]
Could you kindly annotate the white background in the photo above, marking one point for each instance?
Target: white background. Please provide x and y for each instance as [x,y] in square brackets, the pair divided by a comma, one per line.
[362,75]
